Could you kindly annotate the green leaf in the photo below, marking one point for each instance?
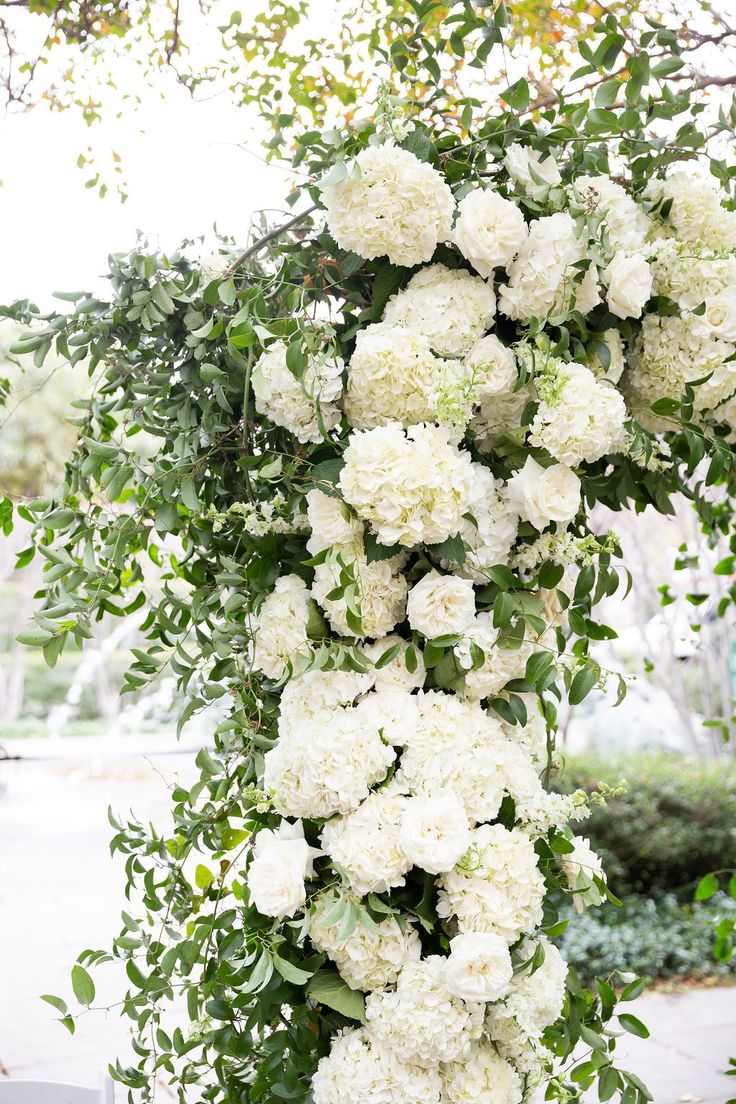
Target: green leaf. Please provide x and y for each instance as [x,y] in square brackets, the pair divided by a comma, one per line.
[517,95]
[82,984]
[582,684]
[452,549]
[707,887]
[633,1025]
[289,971]
[327,987]
[375,551]
[55,1002]
[388,280]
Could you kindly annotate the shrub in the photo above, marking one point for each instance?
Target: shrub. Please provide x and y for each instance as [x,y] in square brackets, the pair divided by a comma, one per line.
[676,822]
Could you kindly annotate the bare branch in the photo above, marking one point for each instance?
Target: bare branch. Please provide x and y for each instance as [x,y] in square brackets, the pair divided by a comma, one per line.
[270,236]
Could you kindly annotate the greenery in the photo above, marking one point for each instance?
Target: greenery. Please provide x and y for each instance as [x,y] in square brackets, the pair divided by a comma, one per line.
[674,824]
[170,355]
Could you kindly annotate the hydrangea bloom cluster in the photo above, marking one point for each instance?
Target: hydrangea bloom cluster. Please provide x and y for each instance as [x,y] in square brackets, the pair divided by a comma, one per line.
[421,618]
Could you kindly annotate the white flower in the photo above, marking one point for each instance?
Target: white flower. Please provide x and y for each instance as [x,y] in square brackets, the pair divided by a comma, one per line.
[520,160]
[398,207]
[435,832]
[395,675]
[479,967]
[281,861]
[293,403]
[606,356]
[413,487]
[331,522]
[490,536]
[393,373]
[440,605]
[327,766]
[379,596]
[629,282]
[421,1021]
[580,867]
[670,352]
[720,315]
[394,712]
[499,415]
[368,1070]
[454,744]
[498,887]
[499,664]
[368,958]
[689,273]
[582,419]
[542,279]
[489,230]
[696,213]
[624,221]
[280,635]
[449,307]
[314,695]
[537,996]
[492,367]
[541,495]
[366,844]
[483,1077]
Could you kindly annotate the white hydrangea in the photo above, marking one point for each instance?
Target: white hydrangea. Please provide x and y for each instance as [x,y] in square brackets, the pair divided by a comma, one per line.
[537,996]
[398,207]
[580,867]
[489,230]
[440,605]
[413,487]
[378,596]
[628,279]
[501,414]
[696,213]
[456,745]
[366,844]
[394,373]
[581,419]
[688,273]
[614,356]
[498,887]
[331,522]
[491,533]
[420,1020]
[315,694]
[449,307]
[395,675]
[500,665]
[370,957]
[519,1045]
[670,352]
[371,1072]
[542,495]
[394,712]
[626,224]
[435,831]
[293,403]
[542,278]
[280,633]
[482,1077]
[326,767]
[531,737]
[519,162]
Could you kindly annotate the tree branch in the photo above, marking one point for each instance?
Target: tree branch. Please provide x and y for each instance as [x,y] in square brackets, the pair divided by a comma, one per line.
[233,267]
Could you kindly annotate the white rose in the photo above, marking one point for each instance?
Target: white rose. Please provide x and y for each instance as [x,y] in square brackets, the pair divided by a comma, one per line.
[541,495]
[520,159]
[440,605]
[489,230]
[479,967]
[720,315]
[492,366]
[281,862]
[629,282]
[435,832]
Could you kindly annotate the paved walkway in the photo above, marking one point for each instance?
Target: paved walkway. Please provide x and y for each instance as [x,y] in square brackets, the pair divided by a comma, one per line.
[60,893]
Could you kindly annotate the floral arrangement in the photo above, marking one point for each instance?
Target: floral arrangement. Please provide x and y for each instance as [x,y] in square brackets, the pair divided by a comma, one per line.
[381,439]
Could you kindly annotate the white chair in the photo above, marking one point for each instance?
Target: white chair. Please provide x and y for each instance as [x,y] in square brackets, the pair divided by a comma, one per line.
[21,1091]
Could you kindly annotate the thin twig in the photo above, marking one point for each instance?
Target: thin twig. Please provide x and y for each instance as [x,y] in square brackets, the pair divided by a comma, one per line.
[270,236]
